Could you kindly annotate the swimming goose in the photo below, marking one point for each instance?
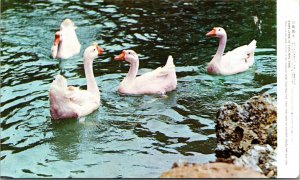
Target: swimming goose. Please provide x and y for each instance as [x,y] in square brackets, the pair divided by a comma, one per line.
[158,81]
[72,102]
[65,43]
[233,62]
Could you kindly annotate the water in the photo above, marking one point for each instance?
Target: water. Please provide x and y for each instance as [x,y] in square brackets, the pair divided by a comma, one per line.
[128,136]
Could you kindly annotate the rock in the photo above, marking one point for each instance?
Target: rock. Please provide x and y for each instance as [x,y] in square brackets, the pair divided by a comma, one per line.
[261,158]
[272,135]
[211,170]
[238,127]
[246,143]
[247,134]
[270,174]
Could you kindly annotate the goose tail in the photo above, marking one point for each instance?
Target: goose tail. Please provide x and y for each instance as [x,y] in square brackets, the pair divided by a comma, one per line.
[250,53]
[252,45]
[59,83]
[170,62]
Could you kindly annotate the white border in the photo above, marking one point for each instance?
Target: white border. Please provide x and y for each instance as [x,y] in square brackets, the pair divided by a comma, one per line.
[288,114]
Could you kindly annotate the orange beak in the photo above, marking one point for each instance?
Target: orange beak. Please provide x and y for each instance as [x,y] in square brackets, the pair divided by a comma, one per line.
[212,33]
[56,39]
[100,50]
[120,57]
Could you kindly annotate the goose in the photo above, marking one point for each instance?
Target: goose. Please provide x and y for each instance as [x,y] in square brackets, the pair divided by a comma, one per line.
[233,62]
[72,102]
[158,81]
[65,44]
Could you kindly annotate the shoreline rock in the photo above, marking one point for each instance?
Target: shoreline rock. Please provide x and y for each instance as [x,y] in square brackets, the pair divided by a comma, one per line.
[246,143]
[247,134]
[261,158]
[210,170]
[240,126]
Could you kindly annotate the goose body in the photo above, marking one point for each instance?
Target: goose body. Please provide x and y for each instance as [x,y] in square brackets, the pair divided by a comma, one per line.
[65,43]
[159,81]
[72,102]
[238,60]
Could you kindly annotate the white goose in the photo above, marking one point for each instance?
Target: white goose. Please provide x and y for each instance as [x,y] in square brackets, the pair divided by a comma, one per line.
[65,43]
[72,102]
[158,81]
[233,62]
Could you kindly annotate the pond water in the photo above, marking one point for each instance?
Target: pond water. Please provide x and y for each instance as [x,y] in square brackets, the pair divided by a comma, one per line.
[128,136]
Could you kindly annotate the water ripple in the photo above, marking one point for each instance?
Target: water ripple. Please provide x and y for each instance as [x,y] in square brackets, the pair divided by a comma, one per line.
[128,136]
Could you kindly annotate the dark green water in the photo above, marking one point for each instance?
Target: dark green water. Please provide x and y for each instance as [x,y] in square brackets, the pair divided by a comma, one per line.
[138,136]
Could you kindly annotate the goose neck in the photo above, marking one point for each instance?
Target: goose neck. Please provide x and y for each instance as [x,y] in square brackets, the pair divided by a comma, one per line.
[89,75]
[222,45]
[133,70]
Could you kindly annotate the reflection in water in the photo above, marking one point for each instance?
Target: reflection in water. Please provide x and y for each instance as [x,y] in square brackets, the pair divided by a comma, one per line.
[66,139]
[128,136]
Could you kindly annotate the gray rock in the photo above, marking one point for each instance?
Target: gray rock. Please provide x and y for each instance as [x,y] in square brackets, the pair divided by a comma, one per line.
[261,158]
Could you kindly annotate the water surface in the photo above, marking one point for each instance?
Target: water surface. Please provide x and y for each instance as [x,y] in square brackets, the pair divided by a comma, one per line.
[128,136]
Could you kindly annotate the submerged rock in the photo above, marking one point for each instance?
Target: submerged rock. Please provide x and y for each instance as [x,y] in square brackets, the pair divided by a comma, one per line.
[240,126]
[210,170]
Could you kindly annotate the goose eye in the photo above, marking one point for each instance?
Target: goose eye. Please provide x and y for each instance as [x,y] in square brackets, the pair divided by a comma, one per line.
[129,53]
[219,30]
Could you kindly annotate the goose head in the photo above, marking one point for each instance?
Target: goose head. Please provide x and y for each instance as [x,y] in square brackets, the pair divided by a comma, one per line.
[217,32]
[92,52]
[128,55]
[57,40]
